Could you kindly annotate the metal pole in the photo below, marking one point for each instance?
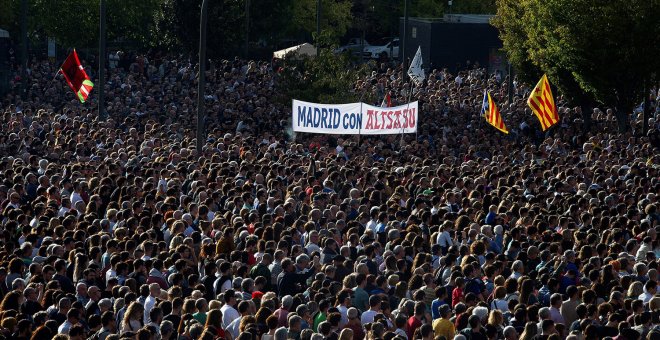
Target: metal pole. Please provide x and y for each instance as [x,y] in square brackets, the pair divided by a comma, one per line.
[318,25]
[646,114]
[510,85]
[402,51]
[102,55]
[24,48]
[201,81]
[247,27]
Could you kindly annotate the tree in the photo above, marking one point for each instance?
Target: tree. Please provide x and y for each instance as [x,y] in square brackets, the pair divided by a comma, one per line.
[474,6]
[76,23]
[336,18]
[327,78]
[592,49]
[177,26]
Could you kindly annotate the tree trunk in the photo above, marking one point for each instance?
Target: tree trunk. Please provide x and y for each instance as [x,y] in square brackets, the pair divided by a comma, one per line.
[587,109]
[623,118]
[647,109]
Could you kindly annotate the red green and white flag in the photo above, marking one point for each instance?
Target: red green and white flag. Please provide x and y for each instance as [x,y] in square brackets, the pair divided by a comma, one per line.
[76,76]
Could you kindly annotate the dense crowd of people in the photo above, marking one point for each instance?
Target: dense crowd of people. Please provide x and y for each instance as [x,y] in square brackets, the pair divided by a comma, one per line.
[118,228]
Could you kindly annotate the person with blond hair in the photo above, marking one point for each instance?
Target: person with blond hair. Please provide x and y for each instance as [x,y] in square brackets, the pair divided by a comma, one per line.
[133,318]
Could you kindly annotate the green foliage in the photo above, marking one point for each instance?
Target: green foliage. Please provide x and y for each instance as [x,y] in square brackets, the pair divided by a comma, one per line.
[76,23]
[327,78]
[336,17]
[177,26]
[601,49]
[9,16]
[514,38]
[474,6]
[269,20]
[428,8]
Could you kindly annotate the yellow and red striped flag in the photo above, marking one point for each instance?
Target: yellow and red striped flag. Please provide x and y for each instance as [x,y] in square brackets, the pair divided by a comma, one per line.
[491,113]
[543,104]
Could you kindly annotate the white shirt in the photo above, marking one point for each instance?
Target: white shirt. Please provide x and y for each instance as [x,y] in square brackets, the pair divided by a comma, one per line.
[343,310]
[63,211]
[645,297]
[111,273]
[312,247]
[149,304]
[234,327]
[368,317]
[229,314]
[444,239]
[371,225]
[65,327]
[500,304]
[401,332]
[75,198]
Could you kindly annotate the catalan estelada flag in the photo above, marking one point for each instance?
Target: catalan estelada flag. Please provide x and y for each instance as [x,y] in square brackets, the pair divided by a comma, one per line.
[543,104]
[491,113]
[76,76]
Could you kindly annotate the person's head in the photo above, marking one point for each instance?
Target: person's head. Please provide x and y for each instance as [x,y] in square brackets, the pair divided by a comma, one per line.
[295,323]
[166,329]
[156,315]
[243,307]
[544,313]
[651,287]
[548,327]
[94,293]
[374,302]
[154,290]
[108,321]
[230,297]
[556,300]
[474,321]
[73,316]
[510,333]
[287,302]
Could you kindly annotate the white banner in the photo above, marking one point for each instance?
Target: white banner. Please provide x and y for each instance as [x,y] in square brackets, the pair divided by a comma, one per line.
[354,118]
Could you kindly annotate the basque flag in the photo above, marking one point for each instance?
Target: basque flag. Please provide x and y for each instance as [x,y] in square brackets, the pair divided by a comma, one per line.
[76,76]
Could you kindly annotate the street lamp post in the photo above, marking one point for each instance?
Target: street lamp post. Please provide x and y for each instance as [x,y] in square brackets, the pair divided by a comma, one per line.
[318,25]
[201,81]
[247,27]
[510,85]
[404,40]
[24,49]
[102,55]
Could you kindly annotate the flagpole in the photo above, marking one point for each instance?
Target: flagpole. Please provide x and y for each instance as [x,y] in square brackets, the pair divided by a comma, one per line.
[201,82]
[24,48]
[360,127]
[56,74]
[101,86]
[407,108]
